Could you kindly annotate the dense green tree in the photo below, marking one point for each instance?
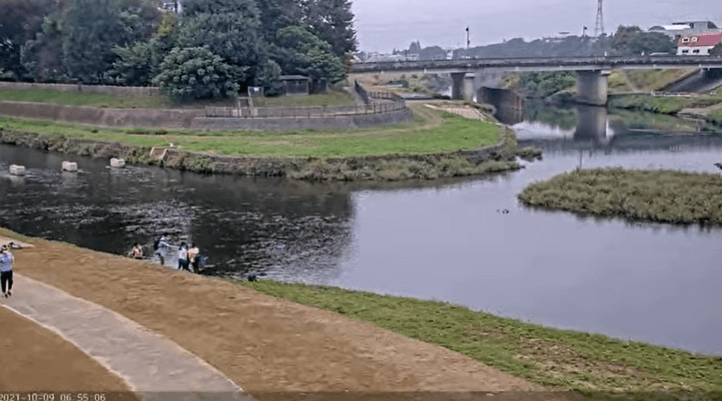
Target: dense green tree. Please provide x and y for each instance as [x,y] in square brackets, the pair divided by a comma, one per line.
[20,21]
[278,14]
[196,73]
[91,30]
[42,57]
[134,65]
[230,29]
[298,51]
[631,40]
[543,84]
[332,21]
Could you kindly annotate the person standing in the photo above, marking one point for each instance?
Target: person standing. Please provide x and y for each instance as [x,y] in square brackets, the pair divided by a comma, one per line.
[183,257]
[193,256]
[7,263]
[162,249]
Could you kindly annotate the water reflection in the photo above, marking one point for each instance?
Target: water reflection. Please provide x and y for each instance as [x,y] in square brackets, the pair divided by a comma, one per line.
[440,240]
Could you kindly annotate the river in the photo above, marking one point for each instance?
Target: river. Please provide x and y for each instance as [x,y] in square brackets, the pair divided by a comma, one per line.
[445,240]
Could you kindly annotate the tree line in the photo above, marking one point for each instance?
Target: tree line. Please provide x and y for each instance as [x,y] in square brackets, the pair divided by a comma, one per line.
[213,49]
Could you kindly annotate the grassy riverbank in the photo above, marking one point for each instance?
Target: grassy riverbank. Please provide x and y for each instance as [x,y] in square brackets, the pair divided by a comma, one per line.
[557,359]
[659,196]
[430,131]
[434,145]
[332,98]
[664,104]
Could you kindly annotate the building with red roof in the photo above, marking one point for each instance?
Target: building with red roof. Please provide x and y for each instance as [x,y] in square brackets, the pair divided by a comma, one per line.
[699,44]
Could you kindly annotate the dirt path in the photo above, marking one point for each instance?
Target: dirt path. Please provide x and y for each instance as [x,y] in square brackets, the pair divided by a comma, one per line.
[34,358]
[261,343]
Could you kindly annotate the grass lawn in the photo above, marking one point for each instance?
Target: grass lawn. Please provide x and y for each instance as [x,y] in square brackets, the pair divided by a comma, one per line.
[430,131]
[660,196]
[562,360]
[85,99]
[663,104]
[332,98]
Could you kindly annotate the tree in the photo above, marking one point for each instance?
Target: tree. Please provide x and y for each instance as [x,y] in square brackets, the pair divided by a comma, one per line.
[298,51]
[134,65]
[332,21]
[20,21]
[632,40]
[42,57]
[278,14]
[91,30]
[196,73]
[717,50]
[230,29]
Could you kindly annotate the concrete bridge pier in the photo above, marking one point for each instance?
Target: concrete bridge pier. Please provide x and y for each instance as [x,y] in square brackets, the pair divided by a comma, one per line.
[457,86]
[469,87]
[592,87]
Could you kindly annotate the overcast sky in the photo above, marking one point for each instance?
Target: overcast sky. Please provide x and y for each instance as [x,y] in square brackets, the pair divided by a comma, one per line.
[383,25]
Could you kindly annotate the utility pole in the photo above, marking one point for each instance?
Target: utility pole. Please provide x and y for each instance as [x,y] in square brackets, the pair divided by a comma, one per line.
[468,41]
[599,30]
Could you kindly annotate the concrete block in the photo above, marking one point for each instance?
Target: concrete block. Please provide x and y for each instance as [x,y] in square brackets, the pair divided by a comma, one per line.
[17,170]
[70,166]
[117,163]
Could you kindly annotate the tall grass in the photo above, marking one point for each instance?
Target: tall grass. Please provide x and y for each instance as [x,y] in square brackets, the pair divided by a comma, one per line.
[659,196]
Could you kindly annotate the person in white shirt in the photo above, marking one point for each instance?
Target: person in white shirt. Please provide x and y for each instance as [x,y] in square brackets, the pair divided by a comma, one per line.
[7,262]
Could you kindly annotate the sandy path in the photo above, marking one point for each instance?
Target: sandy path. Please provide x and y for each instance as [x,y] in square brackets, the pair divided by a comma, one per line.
[34,358]
[260,342]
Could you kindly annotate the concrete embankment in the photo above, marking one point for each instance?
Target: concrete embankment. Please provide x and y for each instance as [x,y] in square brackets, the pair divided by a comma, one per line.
[195,118]
[493,158]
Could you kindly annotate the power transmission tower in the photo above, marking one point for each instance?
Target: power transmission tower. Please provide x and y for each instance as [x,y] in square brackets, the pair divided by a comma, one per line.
[599,30]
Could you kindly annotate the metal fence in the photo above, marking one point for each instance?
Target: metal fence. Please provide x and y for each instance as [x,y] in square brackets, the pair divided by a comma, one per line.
[378,102]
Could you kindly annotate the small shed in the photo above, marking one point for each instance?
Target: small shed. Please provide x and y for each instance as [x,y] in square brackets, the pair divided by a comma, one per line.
[294,85]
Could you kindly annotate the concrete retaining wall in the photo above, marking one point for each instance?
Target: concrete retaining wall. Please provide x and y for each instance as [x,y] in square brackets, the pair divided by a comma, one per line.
[78,88]
[288,124]
[107,117]
[164,118]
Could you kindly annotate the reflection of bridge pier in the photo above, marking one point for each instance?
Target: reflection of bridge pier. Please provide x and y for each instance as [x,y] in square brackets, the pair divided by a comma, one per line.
[591,124]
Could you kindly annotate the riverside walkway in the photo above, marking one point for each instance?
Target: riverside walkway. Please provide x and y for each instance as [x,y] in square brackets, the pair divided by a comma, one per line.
[168,331]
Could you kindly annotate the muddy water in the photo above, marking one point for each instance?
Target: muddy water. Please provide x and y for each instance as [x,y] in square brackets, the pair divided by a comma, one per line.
[440,240]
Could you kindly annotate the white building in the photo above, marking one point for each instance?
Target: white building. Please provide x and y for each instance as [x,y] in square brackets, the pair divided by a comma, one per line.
[698,45]
[679,29]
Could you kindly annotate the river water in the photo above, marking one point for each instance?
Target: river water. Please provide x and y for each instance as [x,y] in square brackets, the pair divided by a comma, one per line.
[445,240]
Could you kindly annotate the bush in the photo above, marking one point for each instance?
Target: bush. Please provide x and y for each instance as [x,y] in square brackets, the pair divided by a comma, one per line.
[195,73]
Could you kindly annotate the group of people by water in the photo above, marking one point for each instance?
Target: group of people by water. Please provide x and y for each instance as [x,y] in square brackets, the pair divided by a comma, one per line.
[189,257]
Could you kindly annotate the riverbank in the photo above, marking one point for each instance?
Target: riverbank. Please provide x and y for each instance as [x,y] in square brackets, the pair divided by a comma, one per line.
[657,196]
[264,344]
[362,342]
[561,360]
[427,148]
[703,107]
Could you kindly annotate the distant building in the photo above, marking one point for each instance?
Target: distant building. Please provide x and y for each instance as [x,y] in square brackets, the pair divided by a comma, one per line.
[294,85]
[698,45]
[680,29]
[171,6]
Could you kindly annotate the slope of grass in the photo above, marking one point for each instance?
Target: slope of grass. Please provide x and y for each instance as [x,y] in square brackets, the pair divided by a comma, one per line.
[430,131]
[660,196]
[653,80]
[85,99]
[663,104]
[558,359]
[332,98]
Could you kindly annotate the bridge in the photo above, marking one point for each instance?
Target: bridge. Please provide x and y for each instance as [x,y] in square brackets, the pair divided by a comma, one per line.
[591,84]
